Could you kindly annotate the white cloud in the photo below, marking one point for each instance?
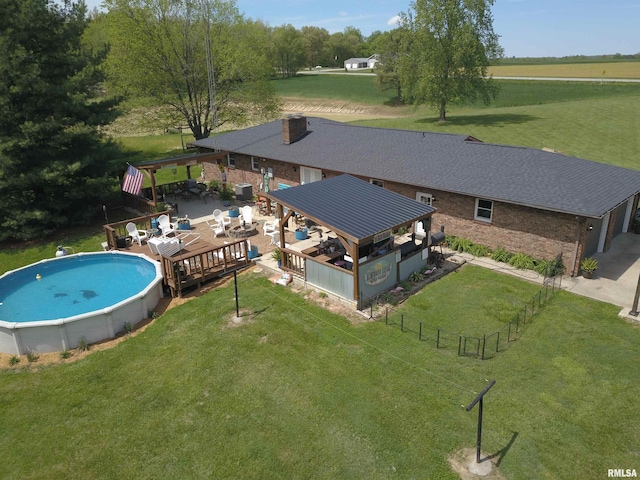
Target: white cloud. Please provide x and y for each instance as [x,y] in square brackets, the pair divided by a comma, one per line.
[393,21]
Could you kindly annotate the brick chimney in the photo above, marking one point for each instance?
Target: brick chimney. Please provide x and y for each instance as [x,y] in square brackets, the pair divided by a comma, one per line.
[293,128]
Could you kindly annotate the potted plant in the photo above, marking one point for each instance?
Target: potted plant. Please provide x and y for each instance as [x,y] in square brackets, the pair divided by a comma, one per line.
[277,256]
[588,265]
[226,196]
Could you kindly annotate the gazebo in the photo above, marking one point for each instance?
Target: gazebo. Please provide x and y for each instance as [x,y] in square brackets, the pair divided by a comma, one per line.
[364,258]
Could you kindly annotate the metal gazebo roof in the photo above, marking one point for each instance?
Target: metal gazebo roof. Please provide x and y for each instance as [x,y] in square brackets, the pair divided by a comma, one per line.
[351,207]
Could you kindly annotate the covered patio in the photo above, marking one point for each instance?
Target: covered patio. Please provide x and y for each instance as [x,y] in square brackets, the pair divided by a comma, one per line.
[356,254]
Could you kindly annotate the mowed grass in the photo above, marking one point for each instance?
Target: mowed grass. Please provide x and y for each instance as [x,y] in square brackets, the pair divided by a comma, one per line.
[602,129]
[348,88]
[297,392]
[623,70]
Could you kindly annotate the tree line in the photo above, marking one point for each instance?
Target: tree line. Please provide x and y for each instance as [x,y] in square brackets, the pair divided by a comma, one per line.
[65,72]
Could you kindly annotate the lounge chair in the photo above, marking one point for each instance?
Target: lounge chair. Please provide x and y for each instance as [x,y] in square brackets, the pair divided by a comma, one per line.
[223,220]
[246,215]
[135,234]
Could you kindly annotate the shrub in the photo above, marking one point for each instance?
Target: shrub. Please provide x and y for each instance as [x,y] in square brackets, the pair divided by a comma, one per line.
[522,261]
[65,354]
[416,277]
[127,327]
[543,267]
[83,346]
[459,244]
[32,355]
[501,255]
[479,250]
[14,360]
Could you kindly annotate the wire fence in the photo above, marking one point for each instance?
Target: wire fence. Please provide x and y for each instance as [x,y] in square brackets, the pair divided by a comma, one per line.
[487,346]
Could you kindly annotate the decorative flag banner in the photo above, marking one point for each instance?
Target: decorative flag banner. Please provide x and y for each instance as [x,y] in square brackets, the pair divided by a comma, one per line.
[132,181]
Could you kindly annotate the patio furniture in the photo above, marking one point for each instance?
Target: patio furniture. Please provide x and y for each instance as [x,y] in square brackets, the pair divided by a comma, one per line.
[135,234]
[220,218]
[218,229]
[169,247]
[269,227]
[152,243]
[246,215]
[164,224]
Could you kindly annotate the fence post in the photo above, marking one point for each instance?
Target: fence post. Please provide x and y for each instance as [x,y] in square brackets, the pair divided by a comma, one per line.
[459,343]
[484,341]
[438,339]
[420,331]
[524,318]
[509,331]
[539,298]
[402,322]
[517,323]
[498,342]
[386,315]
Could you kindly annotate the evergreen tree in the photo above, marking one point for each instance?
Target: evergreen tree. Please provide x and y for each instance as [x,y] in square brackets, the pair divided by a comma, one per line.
[54,166]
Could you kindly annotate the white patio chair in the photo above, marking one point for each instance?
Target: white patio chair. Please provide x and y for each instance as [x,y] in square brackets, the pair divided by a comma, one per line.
[165,226]
[223,220]
[218,229]
[269,227]
[246,215]
[135,234]
[169,247]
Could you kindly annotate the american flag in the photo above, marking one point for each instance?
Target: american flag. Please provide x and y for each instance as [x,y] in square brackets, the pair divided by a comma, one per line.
[132,181]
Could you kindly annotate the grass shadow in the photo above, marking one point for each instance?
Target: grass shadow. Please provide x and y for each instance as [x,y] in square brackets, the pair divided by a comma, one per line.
[489,120]
[503,451]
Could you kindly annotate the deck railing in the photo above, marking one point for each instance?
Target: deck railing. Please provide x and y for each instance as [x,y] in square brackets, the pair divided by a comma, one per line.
[115,230]
[194,268]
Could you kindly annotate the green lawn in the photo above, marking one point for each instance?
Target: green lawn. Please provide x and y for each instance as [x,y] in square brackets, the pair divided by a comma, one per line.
[297,392]
[604,129]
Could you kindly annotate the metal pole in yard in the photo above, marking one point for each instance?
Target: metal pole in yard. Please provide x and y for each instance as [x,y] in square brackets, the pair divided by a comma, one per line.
[471,405]
[634,309]
[235,281]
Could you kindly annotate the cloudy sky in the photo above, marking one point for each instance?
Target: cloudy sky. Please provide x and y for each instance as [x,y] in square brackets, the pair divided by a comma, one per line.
[527,28]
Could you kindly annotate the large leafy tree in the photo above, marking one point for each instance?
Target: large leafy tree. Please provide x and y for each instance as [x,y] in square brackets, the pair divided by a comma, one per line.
[159,52]
[389,46]
[314,40]
[55,169]
[449,46]
[288,50]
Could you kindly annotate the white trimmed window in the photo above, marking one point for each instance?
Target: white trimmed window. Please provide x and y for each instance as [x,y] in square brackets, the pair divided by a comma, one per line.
[231,160]
[254,164]
[377,183]
[424,198]
[484,210]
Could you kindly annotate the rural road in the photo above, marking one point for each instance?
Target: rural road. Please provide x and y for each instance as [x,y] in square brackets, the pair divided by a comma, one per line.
[340,71]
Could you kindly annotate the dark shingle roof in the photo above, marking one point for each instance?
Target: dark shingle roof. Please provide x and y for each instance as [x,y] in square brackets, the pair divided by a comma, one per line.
[352,207]
[518,175]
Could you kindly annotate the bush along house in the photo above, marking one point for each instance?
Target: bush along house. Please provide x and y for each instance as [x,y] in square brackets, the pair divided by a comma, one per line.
[524,200]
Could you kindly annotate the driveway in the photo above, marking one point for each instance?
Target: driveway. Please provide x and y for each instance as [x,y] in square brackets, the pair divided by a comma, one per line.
[617,276]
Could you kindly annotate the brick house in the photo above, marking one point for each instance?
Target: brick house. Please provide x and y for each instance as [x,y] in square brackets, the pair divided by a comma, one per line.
[525,200]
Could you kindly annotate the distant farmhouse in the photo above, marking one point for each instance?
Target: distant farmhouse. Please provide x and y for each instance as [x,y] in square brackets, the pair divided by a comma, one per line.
[522,199]
[360,63]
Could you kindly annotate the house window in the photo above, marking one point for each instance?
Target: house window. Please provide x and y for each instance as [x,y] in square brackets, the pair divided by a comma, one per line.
[424,198]
[231,159]
[377,183]
[484,210]
[254,164]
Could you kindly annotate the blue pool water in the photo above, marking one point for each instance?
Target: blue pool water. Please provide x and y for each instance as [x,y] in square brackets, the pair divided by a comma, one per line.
[71,286]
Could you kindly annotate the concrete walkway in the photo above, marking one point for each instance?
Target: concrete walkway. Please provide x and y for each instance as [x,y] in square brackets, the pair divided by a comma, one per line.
[614,282]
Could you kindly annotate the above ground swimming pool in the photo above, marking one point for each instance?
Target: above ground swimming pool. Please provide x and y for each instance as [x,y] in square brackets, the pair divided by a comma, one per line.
[51,305]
